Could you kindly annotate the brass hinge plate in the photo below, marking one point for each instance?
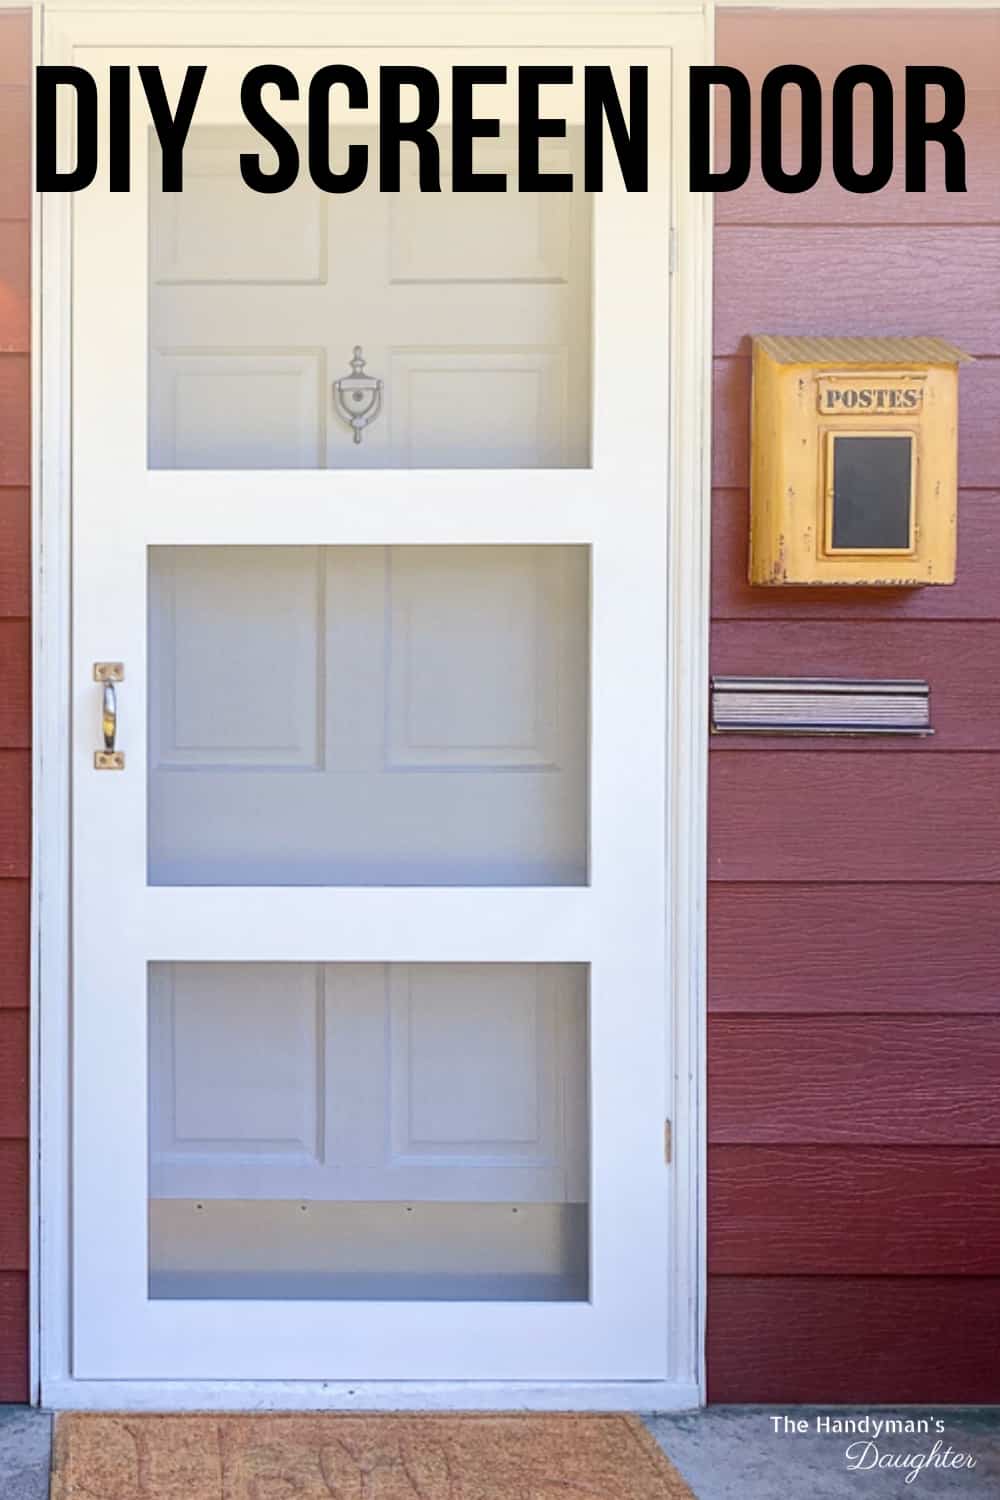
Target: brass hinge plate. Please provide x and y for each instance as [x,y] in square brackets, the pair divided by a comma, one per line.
[668,1141]
[109,671]
[109,760]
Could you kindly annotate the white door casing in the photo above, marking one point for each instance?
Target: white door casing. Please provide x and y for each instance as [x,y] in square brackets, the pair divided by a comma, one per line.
[617,508]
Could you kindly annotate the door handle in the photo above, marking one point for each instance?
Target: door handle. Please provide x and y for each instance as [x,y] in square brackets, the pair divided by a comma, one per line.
[107,673]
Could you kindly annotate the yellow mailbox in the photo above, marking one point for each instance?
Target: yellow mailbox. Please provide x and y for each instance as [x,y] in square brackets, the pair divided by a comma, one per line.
[854,460]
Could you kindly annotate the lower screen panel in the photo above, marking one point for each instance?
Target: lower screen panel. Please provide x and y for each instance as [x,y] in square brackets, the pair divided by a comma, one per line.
[274,1249]
[372,1131]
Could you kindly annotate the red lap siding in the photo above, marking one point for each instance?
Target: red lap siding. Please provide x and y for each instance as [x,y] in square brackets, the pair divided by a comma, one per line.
[13,1193]
[15,290]
[15,124]
[854,815]
[957,657]
[13,1075]
[13,943]
[13,1335]
[854,912]
[781,1210]
[976,425]
[15,413]
[875,1080]
[971,597]
[847,1339]
[777,272]
[15,550]
[15,55]
[15,691]
[850,950]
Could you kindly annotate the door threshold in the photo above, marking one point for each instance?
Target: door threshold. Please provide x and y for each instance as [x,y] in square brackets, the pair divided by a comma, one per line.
[263,1395]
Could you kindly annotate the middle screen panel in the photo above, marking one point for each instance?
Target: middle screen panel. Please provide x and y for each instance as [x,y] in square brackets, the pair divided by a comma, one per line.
[383,716]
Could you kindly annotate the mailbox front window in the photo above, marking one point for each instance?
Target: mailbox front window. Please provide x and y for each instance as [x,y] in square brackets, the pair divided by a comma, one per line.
[870,486]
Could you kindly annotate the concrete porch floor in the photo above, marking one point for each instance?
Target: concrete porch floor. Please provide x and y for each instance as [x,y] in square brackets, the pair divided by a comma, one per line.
[733,1453]
[25,1445]
[725,1453]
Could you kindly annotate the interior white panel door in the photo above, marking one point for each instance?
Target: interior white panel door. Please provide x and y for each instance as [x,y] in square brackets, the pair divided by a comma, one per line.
[473,308]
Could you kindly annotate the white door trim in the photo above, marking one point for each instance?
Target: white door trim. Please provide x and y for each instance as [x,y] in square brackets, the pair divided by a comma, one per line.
[690,36]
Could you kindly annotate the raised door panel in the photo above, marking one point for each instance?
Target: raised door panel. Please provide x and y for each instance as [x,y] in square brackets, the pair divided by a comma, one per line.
[499,407]
[512,236]
[235,1069]
[238,408]
[236,687]
[260,245]
[478,1082]
[493,703]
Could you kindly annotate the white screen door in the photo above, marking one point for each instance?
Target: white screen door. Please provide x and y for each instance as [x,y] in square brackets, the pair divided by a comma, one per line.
[369,1008]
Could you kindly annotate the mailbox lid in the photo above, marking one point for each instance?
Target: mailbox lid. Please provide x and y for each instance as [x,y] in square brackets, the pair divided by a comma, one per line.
[817,349]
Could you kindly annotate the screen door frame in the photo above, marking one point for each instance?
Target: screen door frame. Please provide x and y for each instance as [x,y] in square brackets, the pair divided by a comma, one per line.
[677,1379]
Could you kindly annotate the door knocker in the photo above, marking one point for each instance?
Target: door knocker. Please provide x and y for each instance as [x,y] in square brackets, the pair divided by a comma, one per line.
[358,397]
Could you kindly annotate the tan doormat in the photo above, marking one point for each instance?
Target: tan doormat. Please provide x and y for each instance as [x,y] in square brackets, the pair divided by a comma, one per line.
[330,1456]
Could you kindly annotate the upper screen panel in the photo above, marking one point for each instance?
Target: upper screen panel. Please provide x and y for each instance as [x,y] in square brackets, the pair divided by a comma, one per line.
[473,310]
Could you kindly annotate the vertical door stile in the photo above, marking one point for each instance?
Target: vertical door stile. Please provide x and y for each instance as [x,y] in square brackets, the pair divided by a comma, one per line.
[109,807]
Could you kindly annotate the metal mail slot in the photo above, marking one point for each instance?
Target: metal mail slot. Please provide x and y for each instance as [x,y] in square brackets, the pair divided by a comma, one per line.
[819,705]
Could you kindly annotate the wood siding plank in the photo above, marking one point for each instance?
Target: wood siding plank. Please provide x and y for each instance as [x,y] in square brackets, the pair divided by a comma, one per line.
[15,420]
[969,42]
[792,280]
[13,1075]
[854,816]
[13,1205]
[731,411]
[961,661]
[978,454]
[851,949]
[829,203]
[15,287]
[15,684]
[15,813]
[15,904]
[13,1318]
[856,1341]
[973,596]
[15,551]
[869,1080]
[862,1211]
[15,48]
[15,129]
